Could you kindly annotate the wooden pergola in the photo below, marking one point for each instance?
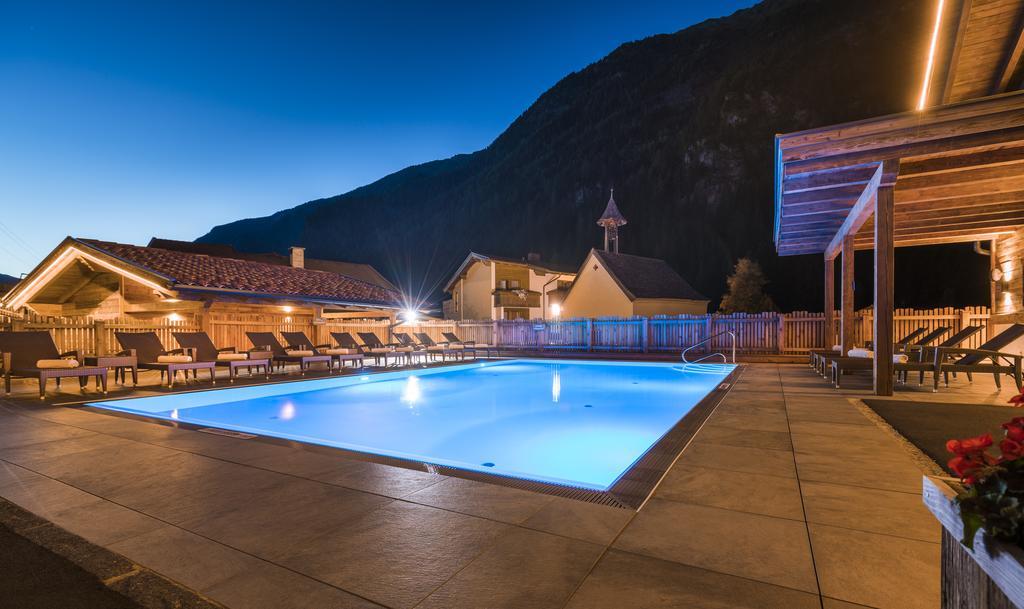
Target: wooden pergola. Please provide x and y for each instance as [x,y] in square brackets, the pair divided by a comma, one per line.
[951,173]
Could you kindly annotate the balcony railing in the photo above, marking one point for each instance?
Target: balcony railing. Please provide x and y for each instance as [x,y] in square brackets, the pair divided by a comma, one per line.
[516,298]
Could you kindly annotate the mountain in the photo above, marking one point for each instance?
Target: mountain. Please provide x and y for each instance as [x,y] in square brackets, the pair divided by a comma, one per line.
[681,125]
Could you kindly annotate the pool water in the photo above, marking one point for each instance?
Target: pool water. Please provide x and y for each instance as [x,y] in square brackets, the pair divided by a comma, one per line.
[579,423]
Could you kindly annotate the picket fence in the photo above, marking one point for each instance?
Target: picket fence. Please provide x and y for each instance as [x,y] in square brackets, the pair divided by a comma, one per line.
[762,333]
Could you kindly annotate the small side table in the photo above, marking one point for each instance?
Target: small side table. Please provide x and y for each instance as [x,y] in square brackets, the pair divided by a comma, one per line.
[119,363]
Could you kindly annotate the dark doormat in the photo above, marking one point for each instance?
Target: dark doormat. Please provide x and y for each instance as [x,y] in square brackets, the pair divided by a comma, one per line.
[928,425]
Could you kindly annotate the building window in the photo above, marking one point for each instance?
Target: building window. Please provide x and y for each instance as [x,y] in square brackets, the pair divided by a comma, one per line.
[502,284]
[513,284]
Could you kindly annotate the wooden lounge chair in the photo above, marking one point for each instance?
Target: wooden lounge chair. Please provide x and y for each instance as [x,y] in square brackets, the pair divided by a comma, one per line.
[435,349]
[822,361]
[987,359]
[375,348]
[35,355]
[266,341]
[922,359]
[151,355]
[838,366]
[227,357]
[471,345]
[409,347]
[300,342]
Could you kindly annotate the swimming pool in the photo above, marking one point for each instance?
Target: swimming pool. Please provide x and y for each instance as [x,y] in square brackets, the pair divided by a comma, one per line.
[567,422]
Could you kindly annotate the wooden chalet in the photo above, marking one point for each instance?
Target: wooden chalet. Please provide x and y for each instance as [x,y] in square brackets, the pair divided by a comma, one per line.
[950,171]
[106,280]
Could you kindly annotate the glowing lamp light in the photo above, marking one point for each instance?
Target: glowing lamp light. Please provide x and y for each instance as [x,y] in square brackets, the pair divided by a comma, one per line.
[929,67]
[174,317]
[556,310]
[409,315]
[287,309]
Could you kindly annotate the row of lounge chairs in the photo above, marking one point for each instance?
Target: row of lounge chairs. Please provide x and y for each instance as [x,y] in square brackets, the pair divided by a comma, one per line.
[35,355]
[916,353]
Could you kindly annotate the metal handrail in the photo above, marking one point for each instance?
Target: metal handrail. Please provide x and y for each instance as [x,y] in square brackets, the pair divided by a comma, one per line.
[725,360]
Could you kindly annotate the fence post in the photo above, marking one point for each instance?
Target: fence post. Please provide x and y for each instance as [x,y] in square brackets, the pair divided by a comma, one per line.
[709,328]
[644,329]
[590,334]
[780,343]
[495,336]
[99,337]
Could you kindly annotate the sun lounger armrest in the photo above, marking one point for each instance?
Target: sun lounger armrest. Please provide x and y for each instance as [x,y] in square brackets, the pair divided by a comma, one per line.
[227,350]
[5,361]
[173,352]
[73,354]
[125,353]
[261,348]
[994,355]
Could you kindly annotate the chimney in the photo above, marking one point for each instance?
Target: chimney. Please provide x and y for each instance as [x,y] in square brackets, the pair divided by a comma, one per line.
[298,257]
[533,258]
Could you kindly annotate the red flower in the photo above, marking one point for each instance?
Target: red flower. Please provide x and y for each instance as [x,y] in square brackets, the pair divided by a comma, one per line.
[970,446]
[1011,449]
[1015,429]
[1017,399]
[964,468]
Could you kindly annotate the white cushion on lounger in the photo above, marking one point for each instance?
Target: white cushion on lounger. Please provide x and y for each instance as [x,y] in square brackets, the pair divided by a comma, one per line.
[173,359]
[405,349]
[300,353]
[341,351]
[437,348]
[57,363]
[837,347]
[382,350]
[232,357]
[859,352]
[456,346]
[899,358]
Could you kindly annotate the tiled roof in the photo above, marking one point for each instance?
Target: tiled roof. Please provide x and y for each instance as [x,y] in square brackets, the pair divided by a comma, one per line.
[647,277]
[204,271]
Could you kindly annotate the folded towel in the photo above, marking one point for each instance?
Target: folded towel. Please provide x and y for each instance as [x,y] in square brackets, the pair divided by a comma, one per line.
[300,353]
[837,347]
[859,352]
[900,358]
[342,351]
[56,363]
[232,357]
[174,359]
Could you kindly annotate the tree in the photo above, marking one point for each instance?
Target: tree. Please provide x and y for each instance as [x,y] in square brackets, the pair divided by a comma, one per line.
[746,290]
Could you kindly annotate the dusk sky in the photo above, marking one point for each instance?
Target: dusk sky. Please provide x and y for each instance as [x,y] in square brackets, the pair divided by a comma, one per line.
[122,121]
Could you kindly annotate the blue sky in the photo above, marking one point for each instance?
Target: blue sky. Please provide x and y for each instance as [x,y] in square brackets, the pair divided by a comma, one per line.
[122,121]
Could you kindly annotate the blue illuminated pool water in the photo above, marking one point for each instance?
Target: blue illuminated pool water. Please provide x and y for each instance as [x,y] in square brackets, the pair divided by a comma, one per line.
[581,423]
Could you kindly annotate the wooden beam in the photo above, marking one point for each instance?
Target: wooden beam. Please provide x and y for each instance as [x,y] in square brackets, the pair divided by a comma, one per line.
[846,297]
[883,313]
[1011,59]
[830,305]
[859,213]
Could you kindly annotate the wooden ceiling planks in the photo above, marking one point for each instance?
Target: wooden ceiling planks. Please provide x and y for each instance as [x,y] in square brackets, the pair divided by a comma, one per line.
[979,50]
[961,175]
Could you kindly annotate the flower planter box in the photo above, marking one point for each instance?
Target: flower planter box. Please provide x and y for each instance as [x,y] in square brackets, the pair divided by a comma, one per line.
[990,577]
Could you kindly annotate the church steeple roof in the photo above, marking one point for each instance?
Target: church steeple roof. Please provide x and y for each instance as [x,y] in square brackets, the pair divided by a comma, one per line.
[611,216]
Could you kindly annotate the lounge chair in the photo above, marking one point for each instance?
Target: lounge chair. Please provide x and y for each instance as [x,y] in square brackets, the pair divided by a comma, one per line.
[227,357]
[987,359]
[922,359]
[409,346]
[266,341]
[864,360]
[151,355]
[300,342]
[433,348]
[471,345]
[35,355]
[822,360]
[375,348]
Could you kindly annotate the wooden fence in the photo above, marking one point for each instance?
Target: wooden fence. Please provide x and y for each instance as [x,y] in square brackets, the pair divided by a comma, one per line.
[762,333]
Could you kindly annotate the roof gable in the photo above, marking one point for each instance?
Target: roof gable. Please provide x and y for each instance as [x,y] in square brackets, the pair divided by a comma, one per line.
[641,277]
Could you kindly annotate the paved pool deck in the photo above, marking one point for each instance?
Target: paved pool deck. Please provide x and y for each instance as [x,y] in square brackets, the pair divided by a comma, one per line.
[788,498]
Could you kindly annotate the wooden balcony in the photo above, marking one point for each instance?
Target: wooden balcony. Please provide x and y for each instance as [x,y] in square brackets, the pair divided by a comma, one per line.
[516,298]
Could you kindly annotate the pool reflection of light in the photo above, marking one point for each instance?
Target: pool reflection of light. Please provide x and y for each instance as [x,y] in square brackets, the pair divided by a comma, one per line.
[287,411]
[556,385]
[411,392]
[174,413]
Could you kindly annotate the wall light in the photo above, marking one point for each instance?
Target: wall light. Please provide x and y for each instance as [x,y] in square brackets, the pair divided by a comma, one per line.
[174,317]
[409,315]
[556,310]
[287,309]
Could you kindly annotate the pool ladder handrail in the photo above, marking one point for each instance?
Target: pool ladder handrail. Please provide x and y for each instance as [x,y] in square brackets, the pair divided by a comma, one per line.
[725,360]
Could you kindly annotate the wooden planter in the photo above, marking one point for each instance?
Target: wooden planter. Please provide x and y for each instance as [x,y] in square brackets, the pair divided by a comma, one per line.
[990,577]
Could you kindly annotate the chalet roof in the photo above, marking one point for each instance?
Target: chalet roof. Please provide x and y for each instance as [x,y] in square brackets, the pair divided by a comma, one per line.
[362,272]
[186,270]
[546,268]
[611,216]
[641,277]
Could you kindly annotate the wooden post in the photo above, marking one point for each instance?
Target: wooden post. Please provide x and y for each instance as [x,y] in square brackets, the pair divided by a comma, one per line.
[780,343]
[846,304]
[99,328]
[830,304]
[883,330]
